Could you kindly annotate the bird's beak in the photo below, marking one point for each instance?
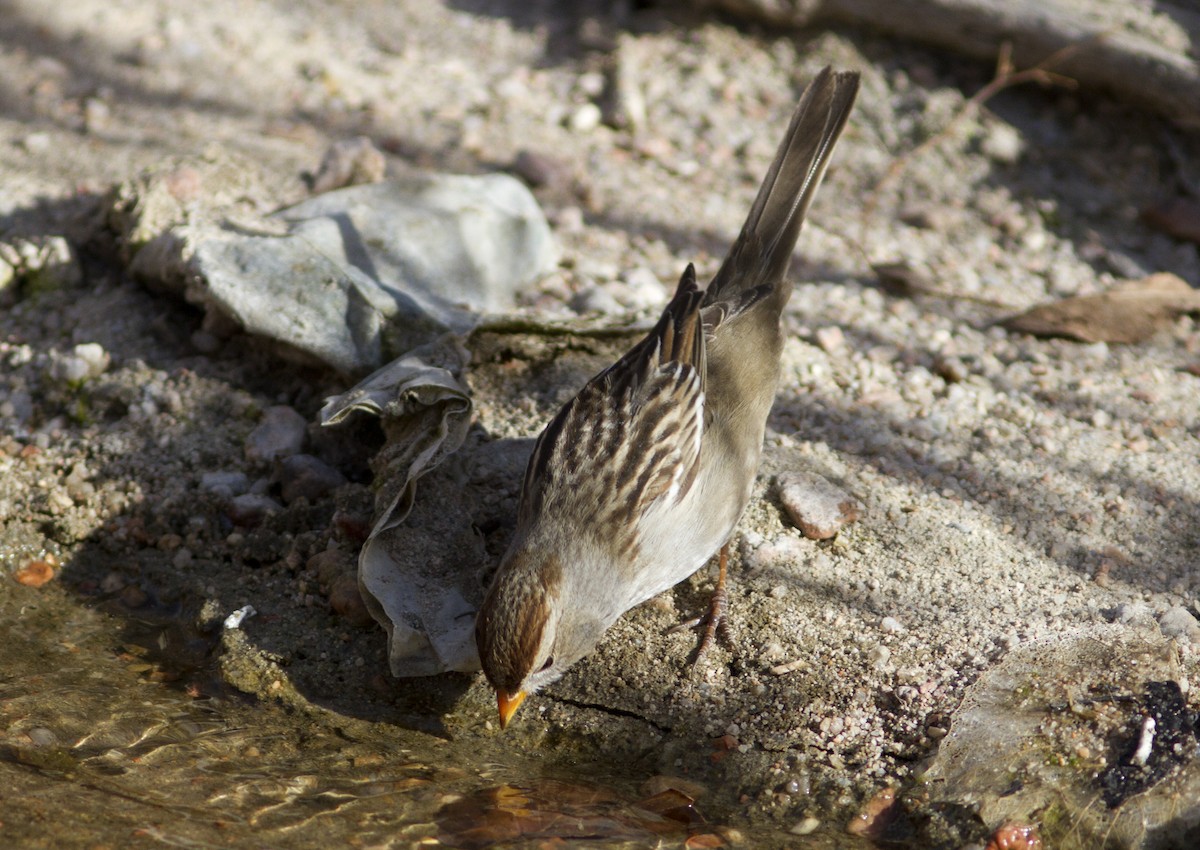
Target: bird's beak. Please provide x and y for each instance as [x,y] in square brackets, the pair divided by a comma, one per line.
[508,705]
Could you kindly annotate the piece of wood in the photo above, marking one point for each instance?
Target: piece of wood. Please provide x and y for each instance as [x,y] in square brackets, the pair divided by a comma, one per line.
[1136,51]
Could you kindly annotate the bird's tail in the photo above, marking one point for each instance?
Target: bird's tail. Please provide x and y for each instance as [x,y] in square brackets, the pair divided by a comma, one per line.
[759,258]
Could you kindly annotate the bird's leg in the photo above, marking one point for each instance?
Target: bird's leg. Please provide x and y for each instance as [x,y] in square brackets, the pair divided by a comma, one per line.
[713,619]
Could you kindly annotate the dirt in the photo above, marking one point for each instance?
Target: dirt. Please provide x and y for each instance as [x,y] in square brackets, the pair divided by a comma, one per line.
[1012,488]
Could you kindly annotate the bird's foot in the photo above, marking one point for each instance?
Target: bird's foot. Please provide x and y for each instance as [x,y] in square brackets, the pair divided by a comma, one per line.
[714,620]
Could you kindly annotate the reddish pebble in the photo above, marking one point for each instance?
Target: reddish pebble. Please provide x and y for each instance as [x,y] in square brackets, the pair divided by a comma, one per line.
[35,573]
[1015,836]
[875,815]
[345,599]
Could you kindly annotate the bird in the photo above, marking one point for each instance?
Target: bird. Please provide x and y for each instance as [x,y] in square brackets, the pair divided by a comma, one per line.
[642,477]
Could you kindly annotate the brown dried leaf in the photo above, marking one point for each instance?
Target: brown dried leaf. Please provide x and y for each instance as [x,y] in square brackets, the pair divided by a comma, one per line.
[1128,313]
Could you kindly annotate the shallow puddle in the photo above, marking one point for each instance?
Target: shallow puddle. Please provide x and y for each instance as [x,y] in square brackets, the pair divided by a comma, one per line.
[116,733]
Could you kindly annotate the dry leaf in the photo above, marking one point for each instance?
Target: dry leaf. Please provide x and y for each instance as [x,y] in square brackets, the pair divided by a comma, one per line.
[1130,312]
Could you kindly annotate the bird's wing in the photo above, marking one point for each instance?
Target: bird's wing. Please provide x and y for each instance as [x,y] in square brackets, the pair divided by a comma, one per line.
[633,433]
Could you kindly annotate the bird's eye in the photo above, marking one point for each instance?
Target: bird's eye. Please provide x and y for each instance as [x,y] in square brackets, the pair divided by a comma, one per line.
[549,663]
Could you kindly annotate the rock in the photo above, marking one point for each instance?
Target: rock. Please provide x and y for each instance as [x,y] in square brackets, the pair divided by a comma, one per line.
[87,360]
[1179,623]
[226,484]
[585,118]
[817,507]
[538,169]
[250,509]
[329,565]
[46,263]
[1018,742]
[831,339]
[596,299]
[1002,144]
[349,162]
[305,476]
[346,600]
[280,434]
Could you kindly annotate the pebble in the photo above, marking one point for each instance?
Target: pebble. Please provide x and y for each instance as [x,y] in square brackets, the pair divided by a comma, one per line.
[1178,623]
[250,509]
[86,360]
[1002,143]
[329,565]
[306,477]
[280,434]
[346,600]
[596,299]
[643,290]
[830,339]
[806,827]
[539,169]
[817,507]
[586,118]
[349,162]
[225,483]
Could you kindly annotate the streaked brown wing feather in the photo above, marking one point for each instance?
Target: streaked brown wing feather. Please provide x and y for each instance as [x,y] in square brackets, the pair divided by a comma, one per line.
[633,432]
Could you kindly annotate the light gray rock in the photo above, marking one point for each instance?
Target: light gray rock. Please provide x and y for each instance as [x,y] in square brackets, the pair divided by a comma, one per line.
[227,484]
[1179,623]
[280,434]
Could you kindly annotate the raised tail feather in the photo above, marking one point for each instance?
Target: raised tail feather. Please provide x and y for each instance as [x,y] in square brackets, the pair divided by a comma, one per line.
[763,250]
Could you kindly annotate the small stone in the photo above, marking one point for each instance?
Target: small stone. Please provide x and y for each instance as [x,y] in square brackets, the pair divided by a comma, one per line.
[307,477]
[817,507]
[1002,143]
[586,118]
[879,656]
[280,434]
[350,162]
[330,565]
[806,827]
[1179,623]
[538,169]
[831,339]
[36,142]
[35,573]
[86,360]
[250,509]
[346,600]
[596,299]
[225,484]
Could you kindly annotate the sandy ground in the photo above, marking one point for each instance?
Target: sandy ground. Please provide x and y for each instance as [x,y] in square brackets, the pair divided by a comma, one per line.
[1013,489]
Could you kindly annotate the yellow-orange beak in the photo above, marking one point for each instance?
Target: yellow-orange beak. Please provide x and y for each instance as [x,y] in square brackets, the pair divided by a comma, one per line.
[508,705]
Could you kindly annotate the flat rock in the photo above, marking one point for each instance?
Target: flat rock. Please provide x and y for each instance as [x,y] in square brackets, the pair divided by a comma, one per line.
[817,507]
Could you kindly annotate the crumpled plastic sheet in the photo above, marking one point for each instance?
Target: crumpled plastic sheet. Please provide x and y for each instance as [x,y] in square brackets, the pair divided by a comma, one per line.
[426,412]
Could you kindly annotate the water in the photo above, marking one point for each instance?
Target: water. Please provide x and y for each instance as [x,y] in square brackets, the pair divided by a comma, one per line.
[118,732]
